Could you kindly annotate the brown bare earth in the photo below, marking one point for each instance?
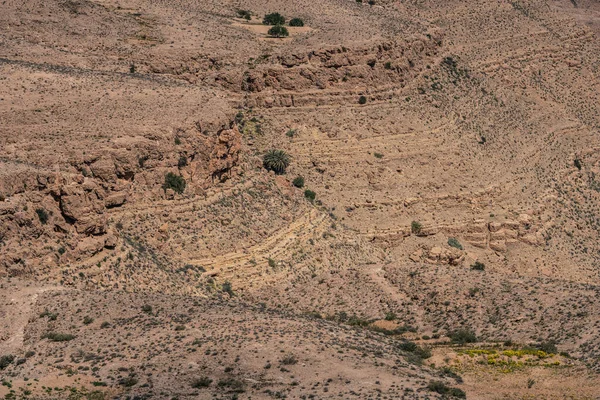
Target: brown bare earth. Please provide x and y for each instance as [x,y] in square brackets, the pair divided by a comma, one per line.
[451,250]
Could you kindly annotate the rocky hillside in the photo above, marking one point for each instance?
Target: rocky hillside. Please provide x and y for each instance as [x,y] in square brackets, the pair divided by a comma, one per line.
[443,177]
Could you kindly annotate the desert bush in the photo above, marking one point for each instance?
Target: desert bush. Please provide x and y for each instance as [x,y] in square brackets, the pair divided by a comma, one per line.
[453,242]
[276,161]
[232,384]
[147,308]
[362,100]
[227,288]
[245,14]
[183,161]
[289,359]
[548,347]
[51,316]
[577,163]
[42,215]
[298,182]
[416,227]
[462,336]
[310,195]
[129,381]
[390,316]
[278,31]
[387,65]
[274,19]
[175,182]
[296,22]
[478,266]
[443,389]
[202,382]
[58,337]
[6,360]
[88,320]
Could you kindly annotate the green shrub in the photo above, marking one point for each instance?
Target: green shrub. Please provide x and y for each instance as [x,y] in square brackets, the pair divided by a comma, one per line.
[408,346]
[88,320]
[443,389]
[453,242]
[175,182]
[227,288]
[276,160]
[577,163]
[462,336]
[51,316]
[232,384]
[387,65]
[310,195]
[202,382]
[6,360]
[548,347]
[245,14]
[128,381]
[390,316]
[289,359]
[274,19]
[183,161]
[378,155]
[362,100]
[58,337]
[42,215]
[147,308]
[298,182]
[478,266]
[290,133]
[296,22]
[278,31]
[416,227]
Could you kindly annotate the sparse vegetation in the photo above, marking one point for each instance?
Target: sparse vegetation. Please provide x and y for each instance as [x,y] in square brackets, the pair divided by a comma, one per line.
[416,227]
[202,382]
[441,388]
[362,100]
[58,337]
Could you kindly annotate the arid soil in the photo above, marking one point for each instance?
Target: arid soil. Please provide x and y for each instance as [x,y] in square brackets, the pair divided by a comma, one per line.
[444,241]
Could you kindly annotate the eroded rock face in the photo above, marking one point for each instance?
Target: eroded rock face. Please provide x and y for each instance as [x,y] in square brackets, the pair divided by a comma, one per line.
[444,255]
[225,154]
[82,206]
